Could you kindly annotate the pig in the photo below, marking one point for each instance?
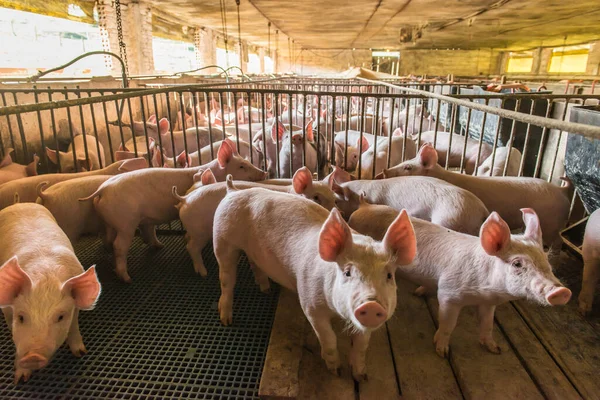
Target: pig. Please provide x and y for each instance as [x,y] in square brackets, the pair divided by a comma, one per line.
[456,150]
[413,114]
[144,198]
[591,259]
[75,218]
[205,154]
[26,188]
[514,163]
[379,157]
[297,147]
[43,287]
[501,267]
[197,209]
[422,197]
[350,162]
[505,195]
[306,249]
[9,171]
[141,146]
[95,159]
[274,142]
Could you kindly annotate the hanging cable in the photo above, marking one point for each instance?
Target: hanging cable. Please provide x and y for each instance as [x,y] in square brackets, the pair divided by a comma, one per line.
[269,49]
[224,26]
[276,50]
[237,2]
[122,48]
[289,53]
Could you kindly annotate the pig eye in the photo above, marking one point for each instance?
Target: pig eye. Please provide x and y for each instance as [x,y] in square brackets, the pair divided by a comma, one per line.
[407,167]
[389,275]
[21,319]
[517,264]
[347,273]
[316,199]
[61,317]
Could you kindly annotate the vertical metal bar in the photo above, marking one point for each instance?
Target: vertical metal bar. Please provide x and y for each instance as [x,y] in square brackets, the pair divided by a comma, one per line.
[21,131]
[195,119]
[348,101]
[10,132]
[221,101]
[185,146]
[510,139]
[477,160]
[171,129]
[333,118]
[70,121]
[120,125]
[108,135]
[207,109]
[148,155]
[564,116]
[319,155]
[135,150]
[264,129]
[495,145]
[436,123]
[304,131]
[290,134]
[85,145]
[236,122]
[451,134]
[526,144]
[160,146]
[41,126]
[464,152]
[251,148]
[363,105]
[100,153]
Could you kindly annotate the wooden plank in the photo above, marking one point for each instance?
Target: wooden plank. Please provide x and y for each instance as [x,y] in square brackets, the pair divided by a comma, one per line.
[570,340]
[547,374]
[381,383]
[279,378]
[316,382]
[421,372]
[480,373]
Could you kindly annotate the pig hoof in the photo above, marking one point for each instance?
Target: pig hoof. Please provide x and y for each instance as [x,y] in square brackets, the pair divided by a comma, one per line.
[124,277]
[78,350]
[421,291]
[200,269]
[22,373]
[336,371]
[442,347]
[265,288]
[361,377]
[157,245]
[584,307]
[225,313]
[491,346]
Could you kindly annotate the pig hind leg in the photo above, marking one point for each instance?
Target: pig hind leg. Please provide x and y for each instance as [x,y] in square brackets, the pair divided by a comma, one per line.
[486,327]
[74,339]
[121,246]
[591,274]
[227,257]
[358,355]
[448,316]
[260,278]
[148,233]
[194,246]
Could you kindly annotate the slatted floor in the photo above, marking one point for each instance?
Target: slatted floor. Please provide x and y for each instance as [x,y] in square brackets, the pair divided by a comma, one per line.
[547,352]
[159,337]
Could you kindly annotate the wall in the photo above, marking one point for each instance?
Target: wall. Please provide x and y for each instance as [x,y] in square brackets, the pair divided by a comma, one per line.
[309,62]
[444,62]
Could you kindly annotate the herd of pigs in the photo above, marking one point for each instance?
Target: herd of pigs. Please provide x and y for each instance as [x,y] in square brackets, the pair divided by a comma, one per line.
[339,242]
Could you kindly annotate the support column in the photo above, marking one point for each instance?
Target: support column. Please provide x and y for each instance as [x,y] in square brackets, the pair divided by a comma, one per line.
[545,56]
[261,57]
[537,61]
[243,49]
[593,63]
[206,51]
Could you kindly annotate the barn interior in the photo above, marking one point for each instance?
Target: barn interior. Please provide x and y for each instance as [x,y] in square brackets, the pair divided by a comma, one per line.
[336,93]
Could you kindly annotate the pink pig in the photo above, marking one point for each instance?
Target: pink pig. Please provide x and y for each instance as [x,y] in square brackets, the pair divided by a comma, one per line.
[9,171]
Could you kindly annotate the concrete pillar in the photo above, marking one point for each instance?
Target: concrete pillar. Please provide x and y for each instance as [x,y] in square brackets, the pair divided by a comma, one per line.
[537,61]
[261,57]
[243,49]
[275,58]
[206,47]
[136,23]
[593,63]
[545,57]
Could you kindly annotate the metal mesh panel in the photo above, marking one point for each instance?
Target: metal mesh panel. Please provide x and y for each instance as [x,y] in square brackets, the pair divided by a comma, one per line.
[158,337]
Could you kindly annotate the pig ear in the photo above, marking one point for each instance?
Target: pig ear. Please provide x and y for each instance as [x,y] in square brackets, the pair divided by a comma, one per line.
[52,155]
[277,130]
[7,160]
[365,144]
[225,153]
[123,155]
[338,189]
[138,127]
[152,119]
[400,239]
[31,169]
[494,235]
[309,132]
[302,180]
[13,281]
[207,177]
[157,158]
[163,125]
[532,225]
[183,160]
[84,164]
[335,236]
[84,288]
[428,156]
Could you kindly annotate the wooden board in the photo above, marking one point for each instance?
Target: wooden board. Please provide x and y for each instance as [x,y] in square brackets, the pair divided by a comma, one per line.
[421,372]
[381,383]
[282,363]
[546,373]
[480,373]
[570,340]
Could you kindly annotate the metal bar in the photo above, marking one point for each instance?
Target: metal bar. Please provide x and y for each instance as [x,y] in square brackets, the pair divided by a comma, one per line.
[360,139]
[43,143]
[525,145]
[478,158]
[73,150]
[85,146]
[100,153]
[160,146]
[510,140]
[108,135]
[464,152]
[53,129]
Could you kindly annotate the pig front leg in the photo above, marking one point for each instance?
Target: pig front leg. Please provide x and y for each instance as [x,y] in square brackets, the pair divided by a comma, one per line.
[227,257]
[321,324]
[591,274]
[448,316]
[358,355]
[74,339]
[148,232]
[486,327]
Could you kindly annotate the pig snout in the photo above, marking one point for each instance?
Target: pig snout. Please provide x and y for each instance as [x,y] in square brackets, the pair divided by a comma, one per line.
[559,296]
[371,314]
[33,361]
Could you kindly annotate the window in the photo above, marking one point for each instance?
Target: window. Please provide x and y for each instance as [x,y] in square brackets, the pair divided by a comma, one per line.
[268,65]
[253,64]
[520,62]
[31,42]
[227,59]
[173,55]
[569,59]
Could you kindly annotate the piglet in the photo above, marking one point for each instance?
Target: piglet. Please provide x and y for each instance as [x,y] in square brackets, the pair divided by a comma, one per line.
[591,259]
[307,249]
[375,158]
[42,287]
[80,162]
[197,210]
[144,198]
[26,188]
[347,156]
[500,159]
[505,195]
[74,217]
[483,271]
[9,171]
[296,148]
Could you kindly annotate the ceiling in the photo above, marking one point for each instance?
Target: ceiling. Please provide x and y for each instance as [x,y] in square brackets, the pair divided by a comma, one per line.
[425,24]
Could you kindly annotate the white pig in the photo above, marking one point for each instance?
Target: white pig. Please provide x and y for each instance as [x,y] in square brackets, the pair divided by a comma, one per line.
[204,154]
[26,188]
[306,249]
[422,197]
[378,155]
[352,151]
[9,171]
[144,198]
[591,259]
[295,148]
[94,161]
[483,271]
[74,217]
[505,195]
[514,163]
[43,287]
[457,146]
[197,210]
